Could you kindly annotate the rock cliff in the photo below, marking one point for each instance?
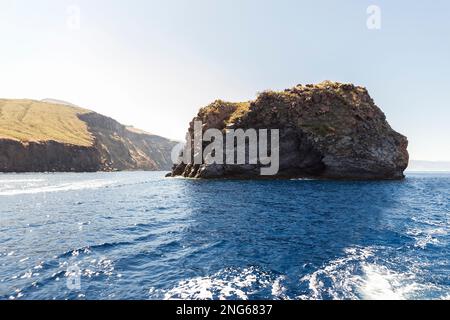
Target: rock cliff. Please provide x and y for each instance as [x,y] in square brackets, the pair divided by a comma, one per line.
[40,136]
[328,130]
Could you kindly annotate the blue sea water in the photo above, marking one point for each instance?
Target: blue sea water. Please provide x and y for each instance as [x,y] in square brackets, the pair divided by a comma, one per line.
[142,236]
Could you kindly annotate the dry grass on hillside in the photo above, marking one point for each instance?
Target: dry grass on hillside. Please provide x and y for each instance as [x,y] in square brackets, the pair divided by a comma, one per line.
[29,120]
[241,109]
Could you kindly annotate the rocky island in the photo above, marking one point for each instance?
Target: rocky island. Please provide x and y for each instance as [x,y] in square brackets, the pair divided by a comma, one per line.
[55,136]
[327,131]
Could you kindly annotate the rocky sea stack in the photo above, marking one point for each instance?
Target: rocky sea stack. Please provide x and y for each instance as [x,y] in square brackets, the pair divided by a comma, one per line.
[327,131]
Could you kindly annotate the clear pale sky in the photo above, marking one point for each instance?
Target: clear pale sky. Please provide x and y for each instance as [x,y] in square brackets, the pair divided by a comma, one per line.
[153,64]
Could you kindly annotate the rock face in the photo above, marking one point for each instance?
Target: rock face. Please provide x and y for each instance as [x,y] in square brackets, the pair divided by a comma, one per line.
[328,131]
[125,148]
[38,136]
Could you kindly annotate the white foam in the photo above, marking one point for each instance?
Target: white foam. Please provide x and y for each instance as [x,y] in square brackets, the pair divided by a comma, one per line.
[278,290]
[353,277]
[380,283]
[20,180]
[340,273]
[74,186]
[427,236]
[238,283]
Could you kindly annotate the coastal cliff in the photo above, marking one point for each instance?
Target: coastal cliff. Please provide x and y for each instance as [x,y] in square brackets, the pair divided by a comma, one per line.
[53,136]
[328,130]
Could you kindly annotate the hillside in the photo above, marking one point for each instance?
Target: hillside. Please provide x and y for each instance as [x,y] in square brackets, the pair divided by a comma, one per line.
[38,136]
[28,120]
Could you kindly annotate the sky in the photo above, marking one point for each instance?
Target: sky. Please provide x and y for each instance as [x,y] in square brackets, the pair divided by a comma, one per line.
[154,64]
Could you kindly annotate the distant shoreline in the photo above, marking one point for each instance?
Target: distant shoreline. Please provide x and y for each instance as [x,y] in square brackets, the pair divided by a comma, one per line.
[428,166]
[427,171]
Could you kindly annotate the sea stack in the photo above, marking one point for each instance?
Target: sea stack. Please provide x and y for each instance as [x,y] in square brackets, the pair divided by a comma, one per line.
[326,131]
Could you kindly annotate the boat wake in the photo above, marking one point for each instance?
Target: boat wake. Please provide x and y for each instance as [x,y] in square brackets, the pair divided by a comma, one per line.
[356,276]
[359,276]
[231,283]
[34,188]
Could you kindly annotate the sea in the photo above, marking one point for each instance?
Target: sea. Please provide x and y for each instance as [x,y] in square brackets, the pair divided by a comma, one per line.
[139,235]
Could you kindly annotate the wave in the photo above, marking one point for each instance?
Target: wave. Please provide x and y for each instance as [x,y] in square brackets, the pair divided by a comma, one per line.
[74,186]
[380,283]
[231,283]
[20,180]
[354,277]
[429,236]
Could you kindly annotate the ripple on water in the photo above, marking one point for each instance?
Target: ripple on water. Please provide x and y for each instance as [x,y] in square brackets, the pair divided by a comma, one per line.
[184,239]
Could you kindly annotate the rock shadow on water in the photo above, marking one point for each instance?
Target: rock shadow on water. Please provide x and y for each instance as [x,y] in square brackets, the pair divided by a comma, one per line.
[284,228]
